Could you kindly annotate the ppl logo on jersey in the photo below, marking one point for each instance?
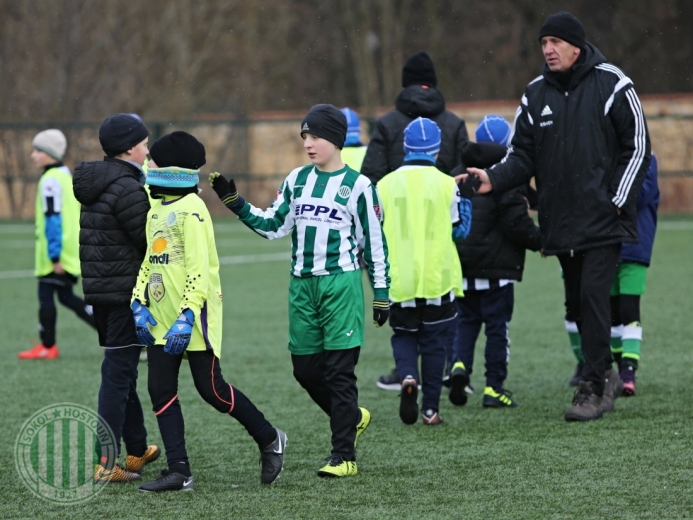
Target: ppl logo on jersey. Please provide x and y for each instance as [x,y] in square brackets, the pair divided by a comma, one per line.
[317,211]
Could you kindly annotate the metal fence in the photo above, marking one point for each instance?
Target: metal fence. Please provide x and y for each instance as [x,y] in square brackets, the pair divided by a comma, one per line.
[259,154]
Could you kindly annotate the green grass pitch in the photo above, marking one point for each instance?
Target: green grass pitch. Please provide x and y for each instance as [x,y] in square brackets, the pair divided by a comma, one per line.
[522,463]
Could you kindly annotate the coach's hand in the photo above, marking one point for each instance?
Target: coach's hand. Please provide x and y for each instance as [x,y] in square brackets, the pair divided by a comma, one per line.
[178,336]
[142,316]
[469,186]
[381,312]
[226,190]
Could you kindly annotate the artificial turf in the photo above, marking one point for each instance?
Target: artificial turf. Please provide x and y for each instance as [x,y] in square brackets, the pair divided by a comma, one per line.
[525,462]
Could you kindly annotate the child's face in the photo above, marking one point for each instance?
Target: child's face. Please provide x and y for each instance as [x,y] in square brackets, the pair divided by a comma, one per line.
[42,159]
[138,153]
[320,151]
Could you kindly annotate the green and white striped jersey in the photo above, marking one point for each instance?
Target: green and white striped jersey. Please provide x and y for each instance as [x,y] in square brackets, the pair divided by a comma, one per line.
[329,215]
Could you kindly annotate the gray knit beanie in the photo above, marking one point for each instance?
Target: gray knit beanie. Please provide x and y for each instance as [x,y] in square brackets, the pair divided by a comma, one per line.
[53,142]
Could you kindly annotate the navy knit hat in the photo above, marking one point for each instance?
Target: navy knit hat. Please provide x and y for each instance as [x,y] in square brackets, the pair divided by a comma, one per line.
[353,136]
[121,132]
[422,138]
[178,149]
[565,26]
[493,129]
[419,70]
[326,121]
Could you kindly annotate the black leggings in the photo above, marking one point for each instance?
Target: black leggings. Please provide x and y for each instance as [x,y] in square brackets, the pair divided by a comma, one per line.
[206,373]
[48,314]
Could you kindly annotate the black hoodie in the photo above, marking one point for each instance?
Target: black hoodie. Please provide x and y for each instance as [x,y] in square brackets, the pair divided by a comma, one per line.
[584,138]
[112,237]
[386,148]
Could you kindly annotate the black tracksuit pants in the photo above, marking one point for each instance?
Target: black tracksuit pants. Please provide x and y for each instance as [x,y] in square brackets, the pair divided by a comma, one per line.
[48,287]
[329,379]
[209,382]
[588,278]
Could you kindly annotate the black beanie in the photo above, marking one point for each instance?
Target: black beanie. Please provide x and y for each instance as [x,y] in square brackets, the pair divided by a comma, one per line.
[419,70]
[564,26]
[178,149]
[326,121]
[121,132]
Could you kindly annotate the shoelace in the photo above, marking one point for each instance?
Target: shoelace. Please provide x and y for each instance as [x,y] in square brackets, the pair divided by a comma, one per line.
[334,460]
[580,397]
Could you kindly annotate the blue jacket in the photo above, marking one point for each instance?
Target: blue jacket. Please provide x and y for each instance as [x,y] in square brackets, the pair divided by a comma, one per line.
[647,204]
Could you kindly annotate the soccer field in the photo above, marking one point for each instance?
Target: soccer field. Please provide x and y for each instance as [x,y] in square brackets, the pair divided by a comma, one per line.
[525,462]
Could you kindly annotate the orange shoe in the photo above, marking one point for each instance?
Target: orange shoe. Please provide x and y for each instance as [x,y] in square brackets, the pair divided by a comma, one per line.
[40,352]
[135,464]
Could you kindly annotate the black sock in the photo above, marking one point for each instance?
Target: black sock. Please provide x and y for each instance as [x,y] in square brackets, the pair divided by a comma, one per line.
[180,467]
[246,413]
[172,428]
[136,451]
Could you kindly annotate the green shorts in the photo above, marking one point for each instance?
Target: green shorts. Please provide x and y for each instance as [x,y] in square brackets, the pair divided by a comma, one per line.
[630,279]
[325,313]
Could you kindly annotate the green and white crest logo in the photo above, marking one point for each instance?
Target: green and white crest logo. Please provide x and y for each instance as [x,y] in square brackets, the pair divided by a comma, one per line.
[57,451]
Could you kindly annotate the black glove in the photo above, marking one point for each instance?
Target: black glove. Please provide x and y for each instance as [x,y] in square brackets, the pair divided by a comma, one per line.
[226,190]
[381,312]
[469,186]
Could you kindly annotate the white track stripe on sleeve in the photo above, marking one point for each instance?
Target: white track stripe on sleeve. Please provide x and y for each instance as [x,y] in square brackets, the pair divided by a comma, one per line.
[636,160]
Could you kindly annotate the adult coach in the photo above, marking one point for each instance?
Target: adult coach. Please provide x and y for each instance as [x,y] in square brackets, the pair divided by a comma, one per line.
[385,153]
[580,131]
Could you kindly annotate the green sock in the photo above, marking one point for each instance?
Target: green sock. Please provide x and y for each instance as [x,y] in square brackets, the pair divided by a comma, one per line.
[575,340]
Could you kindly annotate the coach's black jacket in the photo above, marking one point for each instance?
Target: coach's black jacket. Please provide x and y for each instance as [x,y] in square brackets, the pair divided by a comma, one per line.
[501,229]
[112,237]
[583,135]
[386,148]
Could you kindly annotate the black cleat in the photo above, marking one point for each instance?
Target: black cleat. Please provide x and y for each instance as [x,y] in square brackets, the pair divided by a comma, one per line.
[390,381]
[459,379]
[408,406]
[169,481]
[272,458]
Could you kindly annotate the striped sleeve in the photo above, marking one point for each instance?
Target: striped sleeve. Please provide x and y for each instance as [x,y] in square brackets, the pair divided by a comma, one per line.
[276,221]
[370,237]
[625,112]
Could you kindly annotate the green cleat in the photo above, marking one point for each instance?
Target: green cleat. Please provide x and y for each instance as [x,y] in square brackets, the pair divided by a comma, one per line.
[363,424]
[338,467]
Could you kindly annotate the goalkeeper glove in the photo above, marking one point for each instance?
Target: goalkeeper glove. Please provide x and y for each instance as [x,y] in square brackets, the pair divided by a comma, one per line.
[469,186]
[226,190]
[142,316]
[381,312]
[178,336]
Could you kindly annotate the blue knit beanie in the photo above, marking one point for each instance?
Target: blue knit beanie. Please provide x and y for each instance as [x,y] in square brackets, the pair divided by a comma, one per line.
[353,136]
[493,129]
[421,139]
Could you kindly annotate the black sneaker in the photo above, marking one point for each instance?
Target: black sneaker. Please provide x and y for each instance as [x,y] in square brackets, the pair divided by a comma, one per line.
[272,458]
[408,407]
[501,398]
[459,379]
[390,381]
[169,481]
[577,375]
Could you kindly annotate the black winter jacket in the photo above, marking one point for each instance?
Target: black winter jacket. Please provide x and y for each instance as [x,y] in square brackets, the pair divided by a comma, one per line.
[589,149]
[112,237]
[501,227]
[386,148]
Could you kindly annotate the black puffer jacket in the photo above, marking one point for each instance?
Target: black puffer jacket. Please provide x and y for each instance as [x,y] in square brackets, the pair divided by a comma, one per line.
[112,237]
[501,228]
[583,136]
[386,148]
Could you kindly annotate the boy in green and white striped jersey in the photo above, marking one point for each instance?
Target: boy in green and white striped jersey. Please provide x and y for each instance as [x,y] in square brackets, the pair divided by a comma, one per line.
[331,211]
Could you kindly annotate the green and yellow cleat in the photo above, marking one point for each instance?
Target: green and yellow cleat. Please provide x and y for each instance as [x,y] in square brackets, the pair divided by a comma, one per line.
[501,399]
[363,424]
[338,467]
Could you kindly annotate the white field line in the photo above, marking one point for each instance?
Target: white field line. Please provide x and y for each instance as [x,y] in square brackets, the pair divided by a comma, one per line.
[224,260]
